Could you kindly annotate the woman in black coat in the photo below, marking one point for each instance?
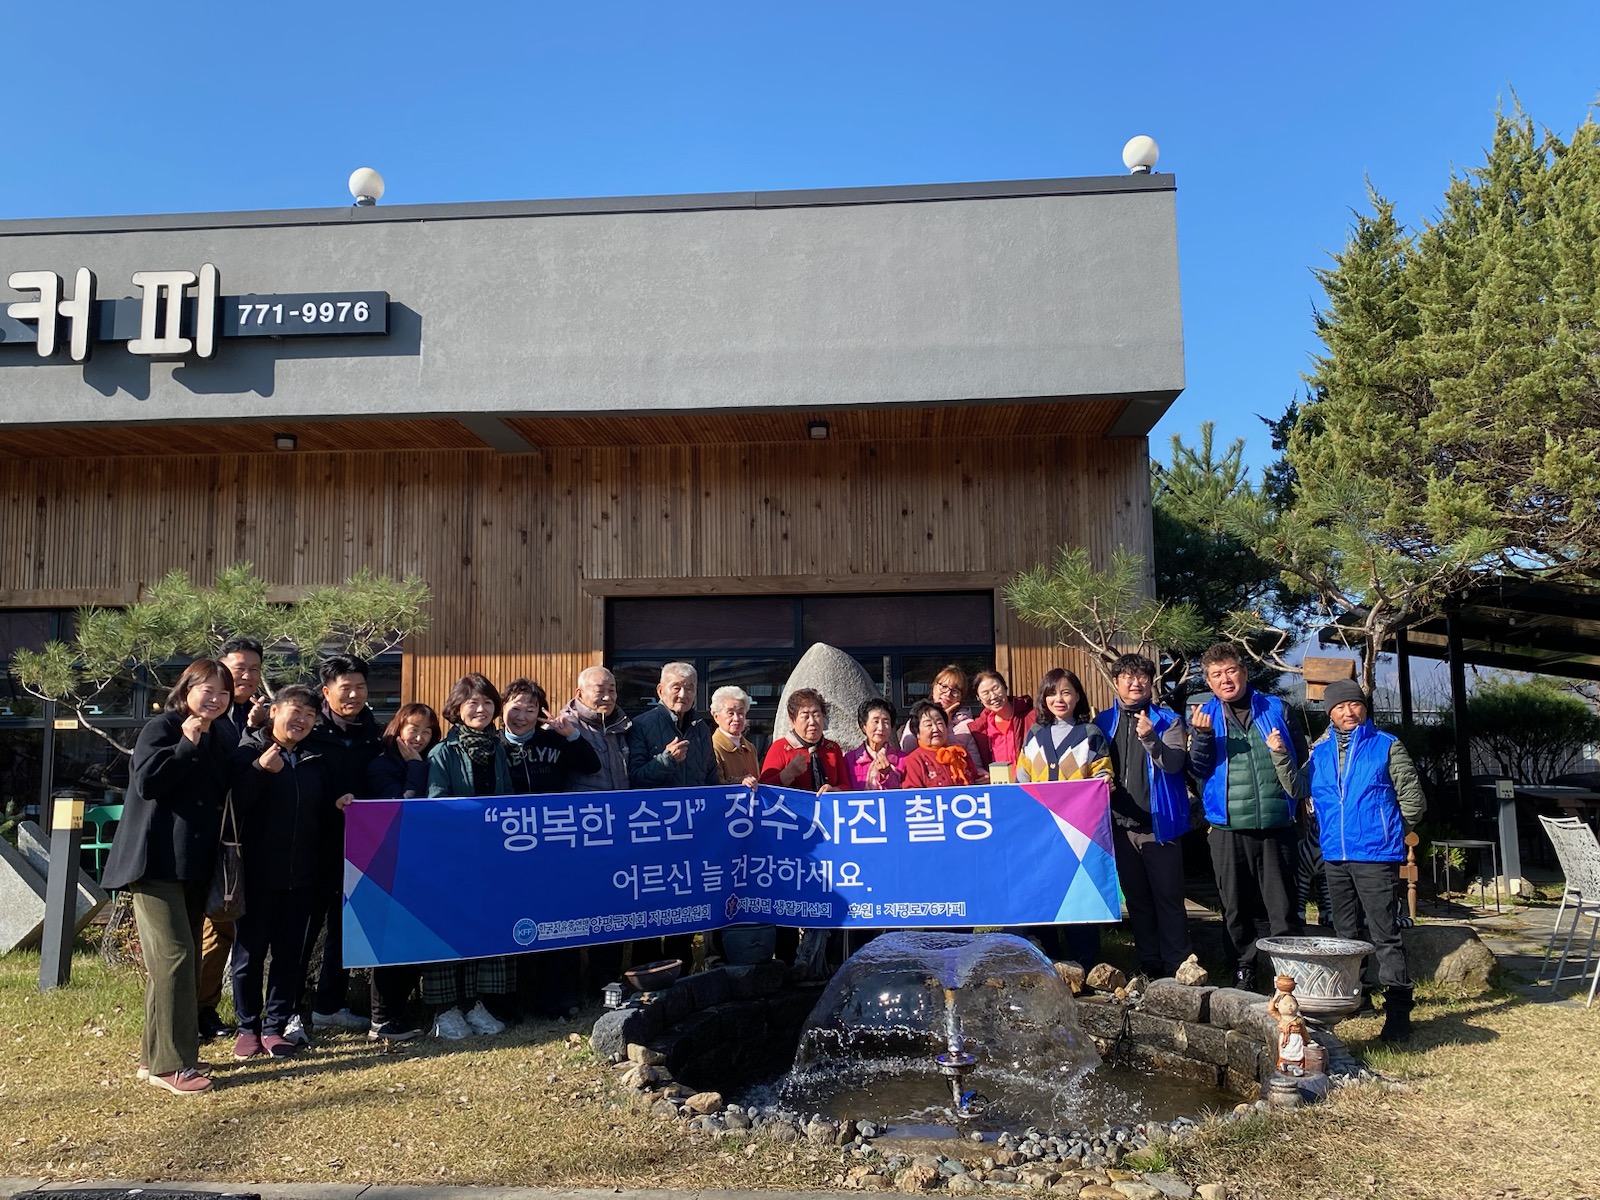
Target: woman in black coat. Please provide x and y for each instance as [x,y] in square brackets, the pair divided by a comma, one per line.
[400,772]
[164,852]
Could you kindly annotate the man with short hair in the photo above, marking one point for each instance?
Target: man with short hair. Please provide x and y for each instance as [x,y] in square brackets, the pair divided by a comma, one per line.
[1366,796]
[248,710]
[1149,813]
[669,746]
[604,726]
[348,737]
[1246,790]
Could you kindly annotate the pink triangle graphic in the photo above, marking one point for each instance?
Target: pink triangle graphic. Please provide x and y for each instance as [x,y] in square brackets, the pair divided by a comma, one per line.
[1085,804]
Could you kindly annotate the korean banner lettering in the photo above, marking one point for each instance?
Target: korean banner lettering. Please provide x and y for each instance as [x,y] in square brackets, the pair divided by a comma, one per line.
[443,879]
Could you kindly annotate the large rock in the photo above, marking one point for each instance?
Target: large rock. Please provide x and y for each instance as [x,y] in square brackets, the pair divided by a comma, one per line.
[1448,954]
[21,900]
[33,844]
[844,684]
[1169,998]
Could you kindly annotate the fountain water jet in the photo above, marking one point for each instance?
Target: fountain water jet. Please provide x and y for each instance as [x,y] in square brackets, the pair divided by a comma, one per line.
[911,1007]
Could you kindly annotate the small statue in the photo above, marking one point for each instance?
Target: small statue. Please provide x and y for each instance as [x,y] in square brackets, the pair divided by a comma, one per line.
[1285,987]
[1291,1034]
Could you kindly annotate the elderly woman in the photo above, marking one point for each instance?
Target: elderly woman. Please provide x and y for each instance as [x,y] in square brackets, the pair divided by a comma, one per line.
[803,758]
[471,761]
[948,690]
[935,762]
[1003,720]
[736,758]
[164,853]
[876,762]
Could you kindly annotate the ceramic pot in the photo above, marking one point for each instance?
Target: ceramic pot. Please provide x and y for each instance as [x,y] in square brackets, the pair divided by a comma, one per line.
[746,944]
[1326,972]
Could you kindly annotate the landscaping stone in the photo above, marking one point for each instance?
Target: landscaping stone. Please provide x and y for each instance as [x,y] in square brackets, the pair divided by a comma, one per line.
[21,900]
[919,1179]
[1190,973]
[1160,1032]
[612,1032]
[644,1055]
[843,682]
[756,979]
[1211,1191]
[1137,1189]
[1448,954]
[705,1103]
[1099,1191]
[33,844]
[1229,1006]
[1100,1018]
[1103,977]
[963,1185]
[1205,1042]
[708,987]
[1169,998]
[1072,975]
[1245,1054]
[1169,1186]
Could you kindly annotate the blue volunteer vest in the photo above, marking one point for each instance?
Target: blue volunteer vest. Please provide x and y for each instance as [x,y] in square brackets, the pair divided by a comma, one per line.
[1358,814]
[1169,798]
[1266,714]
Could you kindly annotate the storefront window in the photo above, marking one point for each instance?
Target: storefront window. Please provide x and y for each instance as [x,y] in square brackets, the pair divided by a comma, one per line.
[21,770]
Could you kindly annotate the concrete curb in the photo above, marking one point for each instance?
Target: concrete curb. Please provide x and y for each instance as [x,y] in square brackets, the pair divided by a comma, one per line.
[11,1186]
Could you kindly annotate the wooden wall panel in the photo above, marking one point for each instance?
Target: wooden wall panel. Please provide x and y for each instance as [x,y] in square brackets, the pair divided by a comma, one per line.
[521,549]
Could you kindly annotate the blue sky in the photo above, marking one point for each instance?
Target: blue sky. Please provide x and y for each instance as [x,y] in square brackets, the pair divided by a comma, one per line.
[1271,116]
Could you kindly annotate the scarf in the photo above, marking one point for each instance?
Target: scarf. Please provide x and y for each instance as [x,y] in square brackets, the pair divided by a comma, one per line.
[521,739]
[953,757]
[818,778]
[477,744]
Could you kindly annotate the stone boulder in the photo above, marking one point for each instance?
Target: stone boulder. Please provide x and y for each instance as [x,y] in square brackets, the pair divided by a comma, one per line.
[844,684]
[21,900]
[1448,954]
[1103,977]
[33,844]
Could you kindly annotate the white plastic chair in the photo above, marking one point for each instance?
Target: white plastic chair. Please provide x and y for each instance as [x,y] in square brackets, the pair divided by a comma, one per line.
[1579,853]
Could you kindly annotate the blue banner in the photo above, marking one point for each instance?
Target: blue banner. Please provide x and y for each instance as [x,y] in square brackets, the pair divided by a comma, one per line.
[436,880]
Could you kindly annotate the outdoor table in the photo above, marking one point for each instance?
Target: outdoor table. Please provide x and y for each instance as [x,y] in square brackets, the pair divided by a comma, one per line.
[1479,844]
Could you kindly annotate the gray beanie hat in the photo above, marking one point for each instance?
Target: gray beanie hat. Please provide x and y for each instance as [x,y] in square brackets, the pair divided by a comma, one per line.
[1342,691]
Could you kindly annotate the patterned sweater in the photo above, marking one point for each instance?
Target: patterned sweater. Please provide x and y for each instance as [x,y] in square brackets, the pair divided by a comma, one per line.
[1064,751]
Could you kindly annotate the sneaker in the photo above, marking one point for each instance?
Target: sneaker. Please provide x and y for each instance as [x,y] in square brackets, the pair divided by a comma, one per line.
[343,1019]
[211,1026]
[451,1025]
[181,1083]
[295,1031]
[393,1031]
[278,1046]
[201,1068]
[483,1021]
[247,1045]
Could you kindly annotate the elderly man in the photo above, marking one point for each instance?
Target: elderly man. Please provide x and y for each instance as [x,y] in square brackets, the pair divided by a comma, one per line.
[1246,790]
[1366,795]
[600,723]
[668,745]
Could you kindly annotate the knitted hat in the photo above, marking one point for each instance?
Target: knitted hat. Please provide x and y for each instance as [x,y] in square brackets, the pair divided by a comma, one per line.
[1342,691]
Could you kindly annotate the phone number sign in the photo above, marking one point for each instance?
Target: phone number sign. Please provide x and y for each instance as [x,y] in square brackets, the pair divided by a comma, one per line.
[178,314]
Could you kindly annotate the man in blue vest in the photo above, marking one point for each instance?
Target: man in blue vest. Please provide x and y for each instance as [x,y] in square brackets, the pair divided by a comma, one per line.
[1247,795]
[1149,813]
[1366,795]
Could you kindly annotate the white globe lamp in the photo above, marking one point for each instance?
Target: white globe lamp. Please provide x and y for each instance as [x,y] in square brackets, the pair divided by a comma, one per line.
[366,185]
[1140,155]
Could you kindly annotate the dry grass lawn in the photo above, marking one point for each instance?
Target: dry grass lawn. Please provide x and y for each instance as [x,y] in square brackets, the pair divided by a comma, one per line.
[1502,1102]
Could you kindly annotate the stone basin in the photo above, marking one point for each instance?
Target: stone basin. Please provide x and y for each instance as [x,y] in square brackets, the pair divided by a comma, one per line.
[1326,972]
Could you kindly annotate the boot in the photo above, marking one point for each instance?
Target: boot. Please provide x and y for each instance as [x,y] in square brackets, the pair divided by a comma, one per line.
[1397,1004]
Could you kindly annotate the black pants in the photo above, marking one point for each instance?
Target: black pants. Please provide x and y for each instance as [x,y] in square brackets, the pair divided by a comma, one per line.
[553,979]
[276,922]
[391,988]
[333,981]
[1151,874]
[1255,878]
[1360,890]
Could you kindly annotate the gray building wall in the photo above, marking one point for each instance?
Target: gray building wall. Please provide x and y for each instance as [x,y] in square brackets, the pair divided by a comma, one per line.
[1065,288]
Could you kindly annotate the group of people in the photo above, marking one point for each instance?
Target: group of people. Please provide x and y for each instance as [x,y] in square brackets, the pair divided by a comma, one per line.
[289,766]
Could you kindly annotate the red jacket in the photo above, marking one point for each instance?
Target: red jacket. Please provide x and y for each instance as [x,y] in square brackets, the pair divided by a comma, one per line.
[1002,747]
[921,769]
[783,751]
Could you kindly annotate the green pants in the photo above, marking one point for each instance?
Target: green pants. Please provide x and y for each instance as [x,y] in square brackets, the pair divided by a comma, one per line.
[169,913]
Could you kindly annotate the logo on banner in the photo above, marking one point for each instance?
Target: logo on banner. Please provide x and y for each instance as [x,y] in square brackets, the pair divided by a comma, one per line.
[525,931]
